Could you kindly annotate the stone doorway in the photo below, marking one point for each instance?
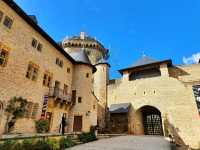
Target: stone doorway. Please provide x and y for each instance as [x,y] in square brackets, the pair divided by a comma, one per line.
[150,121]
[77,127]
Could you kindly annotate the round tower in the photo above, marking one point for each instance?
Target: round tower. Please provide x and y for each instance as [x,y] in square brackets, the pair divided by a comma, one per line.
[84,110]
[101,79]
[93,48]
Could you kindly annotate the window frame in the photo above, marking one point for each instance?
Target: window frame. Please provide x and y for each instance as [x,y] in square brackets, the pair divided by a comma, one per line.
[8,22]
[32,72]
[5,58]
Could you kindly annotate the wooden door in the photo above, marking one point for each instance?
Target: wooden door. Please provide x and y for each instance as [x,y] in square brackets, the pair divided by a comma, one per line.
[77,124]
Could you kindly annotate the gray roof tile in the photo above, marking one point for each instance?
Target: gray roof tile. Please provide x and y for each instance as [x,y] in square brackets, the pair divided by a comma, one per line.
[80,56]
[144,60]
[119,108]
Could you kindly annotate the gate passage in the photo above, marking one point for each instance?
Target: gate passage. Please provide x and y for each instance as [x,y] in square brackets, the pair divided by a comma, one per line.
[152,121]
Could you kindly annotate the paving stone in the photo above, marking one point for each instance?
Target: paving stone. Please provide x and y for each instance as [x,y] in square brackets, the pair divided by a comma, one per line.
[127,143]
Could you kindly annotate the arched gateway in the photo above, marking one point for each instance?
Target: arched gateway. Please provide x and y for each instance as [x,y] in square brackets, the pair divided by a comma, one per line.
[151,120]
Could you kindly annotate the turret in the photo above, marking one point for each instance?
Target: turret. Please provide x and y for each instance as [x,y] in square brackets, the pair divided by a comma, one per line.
[101,78]
[93,48]
[85,105]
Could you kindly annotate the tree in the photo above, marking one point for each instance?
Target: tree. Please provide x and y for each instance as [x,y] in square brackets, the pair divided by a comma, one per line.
[15,109]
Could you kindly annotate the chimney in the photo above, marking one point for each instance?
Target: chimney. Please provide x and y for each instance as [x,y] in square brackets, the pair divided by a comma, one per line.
[33,18]
[82,35]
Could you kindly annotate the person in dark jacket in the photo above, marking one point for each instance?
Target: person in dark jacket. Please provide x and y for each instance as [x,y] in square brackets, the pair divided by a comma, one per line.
[63,124]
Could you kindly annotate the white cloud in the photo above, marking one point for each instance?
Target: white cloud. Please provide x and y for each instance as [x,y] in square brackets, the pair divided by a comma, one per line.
[194,59]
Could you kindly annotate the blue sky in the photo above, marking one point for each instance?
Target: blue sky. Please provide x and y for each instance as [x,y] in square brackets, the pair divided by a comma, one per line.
[160,29]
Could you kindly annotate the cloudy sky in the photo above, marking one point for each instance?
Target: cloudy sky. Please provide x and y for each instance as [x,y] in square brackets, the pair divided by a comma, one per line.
[129,28]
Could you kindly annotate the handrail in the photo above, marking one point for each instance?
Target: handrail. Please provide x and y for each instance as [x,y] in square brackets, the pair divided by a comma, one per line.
[60,93]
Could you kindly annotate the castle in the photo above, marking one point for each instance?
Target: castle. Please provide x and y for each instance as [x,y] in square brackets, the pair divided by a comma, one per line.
[71,78]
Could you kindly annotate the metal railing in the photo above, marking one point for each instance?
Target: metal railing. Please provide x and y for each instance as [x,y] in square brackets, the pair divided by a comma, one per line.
[59,93]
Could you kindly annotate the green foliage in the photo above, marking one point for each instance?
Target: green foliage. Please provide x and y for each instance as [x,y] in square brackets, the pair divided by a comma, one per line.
[33,144]
[41,145]
[42,125]
[87,137]
[54,144]
[8,145]
[66,143]
[17,107]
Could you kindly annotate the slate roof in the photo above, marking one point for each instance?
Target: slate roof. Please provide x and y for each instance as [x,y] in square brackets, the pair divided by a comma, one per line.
[36,27]
[144,60]
[80,56]
[120,108]
[102,61]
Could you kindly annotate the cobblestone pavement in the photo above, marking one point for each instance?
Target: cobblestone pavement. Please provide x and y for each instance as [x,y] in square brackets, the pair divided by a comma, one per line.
[127,143]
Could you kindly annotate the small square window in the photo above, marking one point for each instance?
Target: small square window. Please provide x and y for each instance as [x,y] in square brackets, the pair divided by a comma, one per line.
[68,70]
[39,47]
[8,22]
[1,15]
[87,75]
[34,43]
[79,100]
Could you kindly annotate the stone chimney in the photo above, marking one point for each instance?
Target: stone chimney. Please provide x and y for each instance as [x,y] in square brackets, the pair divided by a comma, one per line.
[82,35]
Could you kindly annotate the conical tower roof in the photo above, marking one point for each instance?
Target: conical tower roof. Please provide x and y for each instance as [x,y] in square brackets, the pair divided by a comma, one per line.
[102,61]
[80,56]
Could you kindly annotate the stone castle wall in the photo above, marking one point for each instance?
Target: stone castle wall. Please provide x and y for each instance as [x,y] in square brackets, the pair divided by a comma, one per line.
[170,95]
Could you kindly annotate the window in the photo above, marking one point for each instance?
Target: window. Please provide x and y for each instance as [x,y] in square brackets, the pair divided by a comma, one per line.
[79,100]
[148,73]
[87,75]
[3,57]
[47,79]
[28,113]
[65,91]
[32,72]
[34,43]
[39,47]
[35,110]
[8,22]
[59,62]
[196,91]
[68,70]
[1,15]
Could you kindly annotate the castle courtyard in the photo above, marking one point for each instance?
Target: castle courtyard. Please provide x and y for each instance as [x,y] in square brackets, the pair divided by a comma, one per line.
[127,143]
[66,88]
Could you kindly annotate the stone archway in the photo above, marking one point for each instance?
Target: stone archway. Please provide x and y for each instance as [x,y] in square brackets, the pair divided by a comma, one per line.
[149,121]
